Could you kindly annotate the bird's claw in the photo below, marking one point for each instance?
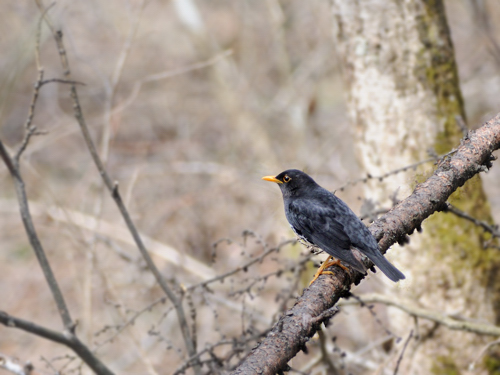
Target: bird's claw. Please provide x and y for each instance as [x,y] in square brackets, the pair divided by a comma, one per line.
[328,263]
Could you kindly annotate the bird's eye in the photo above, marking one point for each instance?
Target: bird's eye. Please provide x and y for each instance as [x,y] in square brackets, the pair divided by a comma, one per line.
[286,178]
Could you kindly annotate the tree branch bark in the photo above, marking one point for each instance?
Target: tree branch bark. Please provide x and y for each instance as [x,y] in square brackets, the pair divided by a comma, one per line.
[291,333]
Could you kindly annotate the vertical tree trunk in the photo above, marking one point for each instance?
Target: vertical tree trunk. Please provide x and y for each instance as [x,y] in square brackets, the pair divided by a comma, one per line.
[403,98]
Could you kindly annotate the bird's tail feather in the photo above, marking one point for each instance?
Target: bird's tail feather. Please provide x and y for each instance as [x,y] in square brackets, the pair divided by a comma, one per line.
[387,268]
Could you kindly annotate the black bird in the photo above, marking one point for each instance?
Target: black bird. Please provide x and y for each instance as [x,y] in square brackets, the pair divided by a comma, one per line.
[324,220]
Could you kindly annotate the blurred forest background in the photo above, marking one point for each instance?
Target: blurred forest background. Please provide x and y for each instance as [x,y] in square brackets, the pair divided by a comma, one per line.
[191,103]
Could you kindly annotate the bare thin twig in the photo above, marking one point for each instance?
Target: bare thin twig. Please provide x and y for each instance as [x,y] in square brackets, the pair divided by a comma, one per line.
[433,158]
[400,358]
[70,338]
[438,317]
[374,315]
[30,129]
[59,80]
[13,167]
[462,125]
[114,192]
[385,175]
[493,229]
[482,353]
[242,267]
[238,346]
[325,357]
[130,321]
[115,79]
[65,338]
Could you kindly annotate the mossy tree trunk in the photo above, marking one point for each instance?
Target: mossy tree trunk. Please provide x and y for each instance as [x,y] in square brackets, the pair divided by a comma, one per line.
[403,98]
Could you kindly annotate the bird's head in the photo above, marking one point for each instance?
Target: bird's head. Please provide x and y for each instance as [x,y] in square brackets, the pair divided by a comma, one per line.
[293,182]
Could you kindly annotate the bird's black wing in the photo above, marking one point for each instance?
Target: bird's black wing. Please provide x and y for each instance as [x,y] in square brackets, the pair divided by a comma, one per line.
[323,226]
[362,239]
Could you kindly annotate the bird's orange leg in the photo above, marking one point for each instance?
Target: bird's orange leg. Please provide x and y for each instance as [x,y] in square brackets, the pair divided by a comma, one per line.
[328,263]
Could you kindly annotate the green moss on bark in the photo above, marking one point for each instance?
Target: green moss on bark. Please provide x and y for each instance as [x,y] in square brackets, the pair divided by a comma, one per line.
[445,366]
[437,72]
[491,362]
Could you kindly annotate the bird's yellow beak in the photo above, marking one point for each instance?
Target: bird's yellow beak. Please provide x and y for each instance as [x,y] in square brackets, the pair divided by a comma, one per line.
[272,179]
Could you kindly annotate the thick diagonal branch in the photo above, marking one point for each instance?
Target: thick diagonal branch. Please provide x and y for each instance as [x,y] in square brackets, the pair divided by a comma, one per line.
[299,323]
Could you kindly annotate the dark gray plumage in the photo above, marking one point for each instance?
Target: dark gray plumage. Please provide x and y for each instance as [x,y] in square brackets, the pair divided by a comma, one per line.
[325,221]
